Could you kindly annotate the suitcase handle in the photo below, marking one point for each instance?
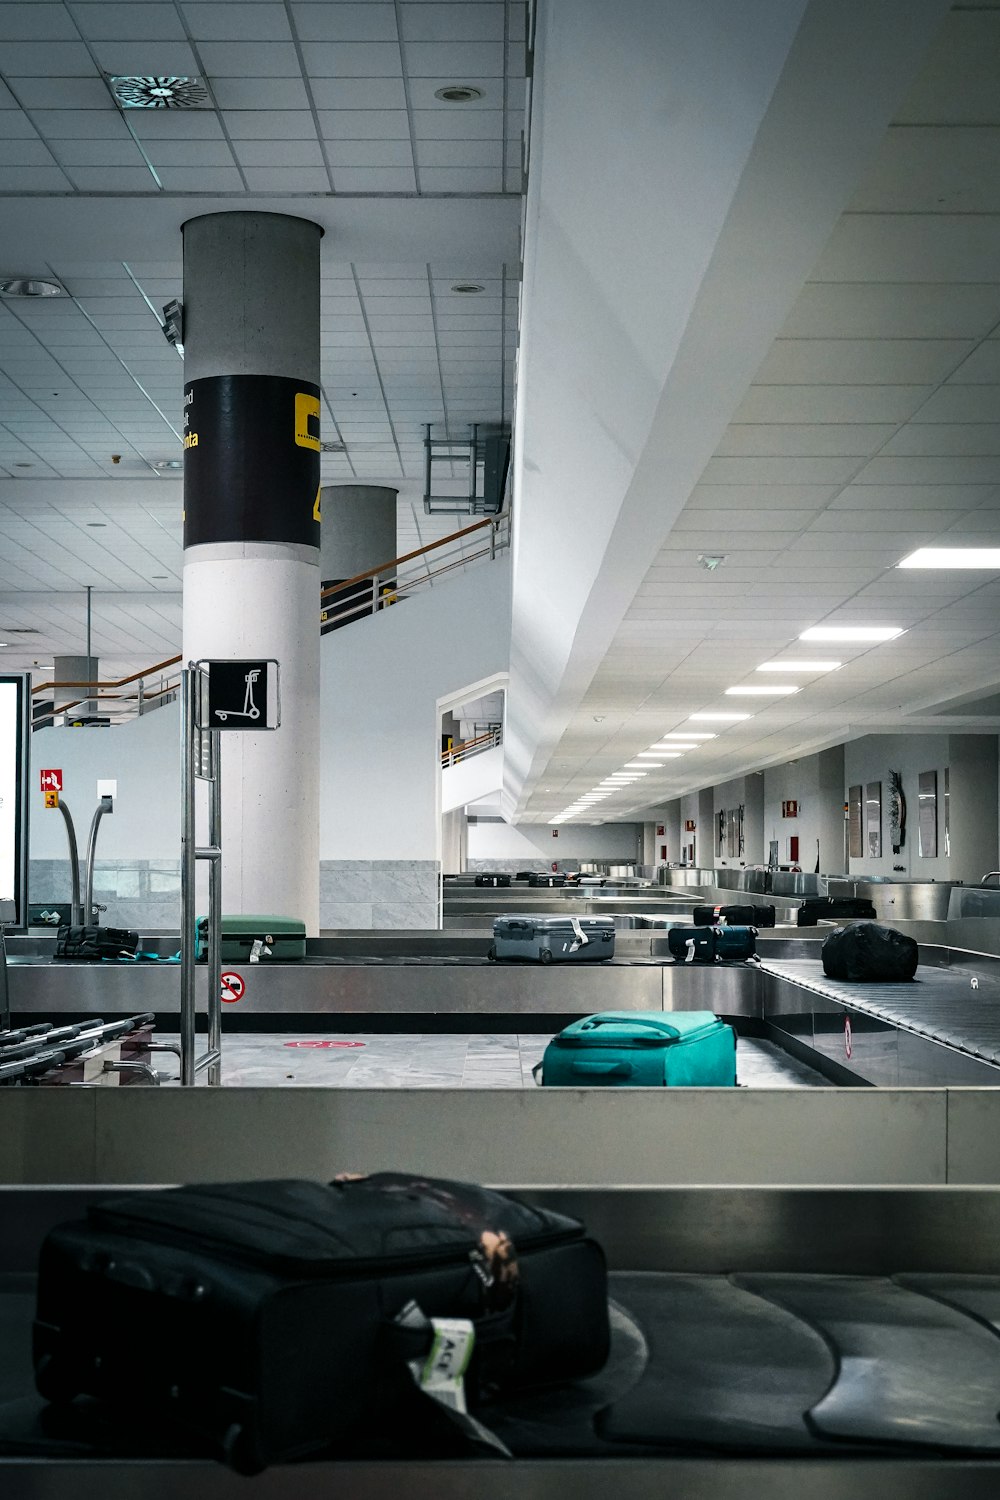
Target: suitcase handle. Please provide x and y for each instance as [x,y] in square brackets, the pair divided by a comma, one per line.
[662,1028]
[604,1069]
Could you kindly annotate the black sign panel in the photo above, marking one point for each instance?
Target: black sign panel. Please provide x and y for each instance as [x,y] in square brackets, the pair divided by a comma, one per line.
[241,695]
[251,460]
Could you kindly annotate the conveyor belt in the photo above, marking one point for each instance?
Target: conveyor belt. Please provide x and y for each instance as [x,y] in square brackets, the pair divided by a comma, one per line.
[940,1004]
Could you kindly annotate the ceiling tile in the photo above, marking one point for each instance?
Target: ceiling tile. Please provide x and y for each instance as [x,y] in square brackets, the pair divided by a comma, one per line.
[126,22]
[248,60]
[316,22]
[363,124]
[458,125]
[279,153]
[254,22]
[918,247]
[40,22]
[860,361]
[460,180]
[958,83]
[458,60]
[33,180]
[170,125]
[374,180]
[933,170]
[189,154]
[258,92]
[46,60]
[83,153]
[453,22]
[359,93]
[982,366]
[270,125]
[853,310]
[961,403]
[288,179]
[130,59]
[370,154]
[460,154]
[813,439]
[44,92]
[200,179]
[352,59]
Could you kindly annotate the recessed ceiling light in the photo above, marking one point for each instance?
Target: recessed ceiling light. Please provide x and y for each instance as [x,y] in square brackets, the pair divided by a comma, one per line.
[712,560]
[161,91]
[664,754]
[684,734]
[798,666]
[159,577]
[470,289]
[762,690]
[458,93]
[24,466]
[952,557]
[98,525]
[168,463]
[720,718]
[30,286]
[635,765]
[851,633]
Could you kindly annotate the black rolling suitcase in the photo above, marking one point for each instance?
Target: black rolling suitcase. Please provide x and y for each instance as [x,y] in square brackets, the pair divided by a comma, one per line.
[709,945]
[492,879]
[836,908]
[548,880]
[276,1319]
[734,916]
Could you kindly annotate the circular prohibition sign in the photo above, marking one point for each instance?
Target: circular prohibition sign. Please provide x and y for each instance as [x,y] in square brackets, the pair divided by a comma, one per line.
[234,987]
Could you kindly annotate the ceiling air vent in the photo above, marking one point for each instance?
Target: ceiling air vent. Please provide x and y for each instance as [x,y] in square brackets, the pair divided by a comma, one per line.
[159,93]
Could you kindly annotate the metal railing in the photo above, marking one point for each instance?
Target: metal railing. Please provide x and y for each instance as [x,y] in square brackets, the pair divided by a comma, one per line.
[467,748]
[110,701]
[389,583]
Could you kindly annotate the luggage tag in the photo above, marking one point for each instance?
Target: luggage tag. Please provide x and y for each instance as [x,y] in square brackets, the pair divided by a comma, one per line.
[258,949]
[580,937]
[440,1374]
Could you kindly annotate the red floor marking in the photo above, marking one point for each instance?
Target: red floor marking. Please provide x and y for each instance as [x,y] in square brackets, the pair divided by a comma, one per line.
[324,1044]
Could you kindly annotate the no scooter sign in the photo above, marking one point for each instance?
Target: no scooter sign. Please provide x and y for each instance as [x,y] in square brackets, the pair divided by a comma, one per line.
[234,987]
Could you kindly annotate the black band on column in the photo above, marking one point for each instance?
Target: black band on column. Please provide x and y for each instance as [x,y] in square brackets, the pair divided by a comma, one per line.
[251,460]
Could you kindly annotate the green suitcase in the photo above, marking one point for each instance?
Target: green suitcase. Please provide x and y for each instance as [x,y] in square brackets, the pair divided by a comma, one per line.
[285,937]
[642,1049]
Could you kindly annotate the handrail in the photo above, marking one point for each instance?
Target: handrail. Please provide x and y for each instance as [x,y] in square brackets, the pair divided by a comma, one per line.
[387,567]
[467,748]
[171,661]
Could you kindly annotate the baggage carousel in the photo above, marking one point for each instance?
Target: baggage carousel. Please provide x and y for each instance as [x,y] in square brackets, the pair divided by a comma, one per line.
[766,1344]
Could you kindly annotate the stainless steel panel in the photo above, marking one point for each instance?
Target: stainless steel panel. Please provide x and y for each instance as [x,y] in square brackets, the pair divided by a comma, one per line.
[728,990]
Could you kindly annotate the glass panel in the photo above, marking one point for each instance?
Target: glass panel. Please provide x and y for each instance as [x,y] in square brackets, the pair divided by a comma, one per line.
[873,818]
[927,815]
[855,797]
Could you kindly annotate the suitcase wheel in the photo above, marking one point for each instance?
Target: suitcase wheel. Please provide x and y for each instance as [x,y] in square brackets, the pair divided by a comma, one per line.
[545,956]
[55,1381]
[239,1452]
[491,953]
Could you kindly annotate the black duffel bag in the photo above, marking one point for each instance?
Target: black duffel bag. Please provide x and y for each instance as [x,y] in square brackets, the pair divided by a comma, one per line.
[95,942]
[734,916]
[868,951]
[839,908]
[278,1319]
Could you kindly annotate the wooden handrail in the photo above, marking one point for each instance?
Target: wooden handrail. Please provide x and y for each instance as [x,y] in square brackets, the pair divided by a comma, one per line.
[171,661]
[492,735]
[387,567]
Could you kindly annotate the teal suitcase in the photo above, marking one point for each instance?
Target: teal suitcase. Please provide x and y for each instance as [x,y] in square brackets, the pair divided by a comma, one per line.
[643,1049]
[272,937]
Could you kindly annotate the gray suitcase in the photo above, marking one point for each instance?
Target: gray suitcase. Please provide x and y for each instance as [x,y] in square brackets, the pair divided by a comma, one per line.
[547,940]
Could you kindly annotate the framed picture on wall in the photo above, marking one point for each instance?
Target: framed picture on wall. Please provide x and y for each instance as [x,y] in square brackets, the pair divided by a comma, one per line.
[927,839]
[855,843]
[873,818]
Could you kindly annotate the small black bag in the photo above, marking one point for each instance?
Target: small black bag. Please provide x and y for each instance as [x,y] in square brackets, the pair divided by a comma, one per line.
[274,1318]
[840,908]
[80,943]
[497,879]
[735,916]
[868,951]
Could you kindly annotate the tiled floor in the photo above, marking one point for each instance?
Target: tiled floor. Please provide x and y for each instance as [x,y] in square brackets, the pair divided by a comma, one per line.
[496,1061]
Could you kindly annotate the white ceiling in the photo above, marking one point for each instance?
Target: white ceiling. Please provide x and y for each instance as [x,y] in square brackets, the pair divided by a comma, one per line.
[871,426]
[318,108]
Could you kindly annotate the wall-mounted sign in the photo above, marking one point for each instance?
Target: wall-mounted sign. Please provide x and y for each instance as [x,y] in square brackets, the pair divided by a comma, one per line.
[927,840]
[15,711]
[50,781]
[240,695]
[689,825]
[51,799]
[855,846]
[555,833]
[660,830]
[790,809]
[873,818]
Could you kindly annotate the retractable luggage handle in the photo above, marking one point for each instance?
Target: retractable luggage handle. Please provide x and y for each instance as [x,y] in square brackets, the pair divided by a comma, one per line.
[620,1069]
[662,1028]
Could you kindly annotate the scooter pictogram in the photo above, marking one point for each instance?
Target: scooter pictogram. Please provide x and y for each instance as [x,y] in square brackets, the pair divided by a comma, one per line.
[249,709]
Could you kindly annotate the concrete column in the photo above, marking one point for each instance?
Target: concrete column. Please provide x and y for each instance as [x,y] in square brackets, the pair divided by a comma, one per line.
[704,846]
[972,764]
[76,669]
[754,845]
[359,533]
[251,531]
[831,790]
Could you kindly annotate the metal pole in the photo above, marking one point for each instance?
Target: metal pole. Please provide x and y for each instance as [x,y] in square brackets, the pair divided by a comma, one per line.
[214,945]
[188,868]
[76,909]
[427,462]
[104,806]
[90,659]
[473,455]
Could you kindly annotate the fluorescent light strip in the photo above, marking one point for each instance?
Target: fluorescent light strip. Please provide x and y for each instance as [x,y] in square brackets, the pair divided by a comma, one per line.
[953,557]
[684,734]
[798,666]
[661,755]
[852,633]
[720,718]
[765,690]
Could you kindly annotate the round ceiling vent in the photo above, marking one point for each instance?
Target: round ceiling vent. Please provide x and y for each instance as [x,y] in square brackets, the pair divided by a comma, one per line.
[160,92]
[30,286]
[468,288]
[458,93]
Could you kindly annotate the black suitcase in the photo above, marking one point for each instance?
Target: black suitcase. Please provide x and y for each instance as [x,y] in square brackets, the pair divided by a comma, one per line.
[264,1317]
[836,908]
[94,943]
[492,880]
[869,952]
[738,916]
[709,945]
[549,880]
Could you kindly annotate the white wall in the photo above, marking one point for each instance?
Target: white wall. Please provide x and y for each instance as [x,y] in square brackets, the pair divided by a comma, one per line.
[382,689]
[534,841]
[871,759]
[143,756]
